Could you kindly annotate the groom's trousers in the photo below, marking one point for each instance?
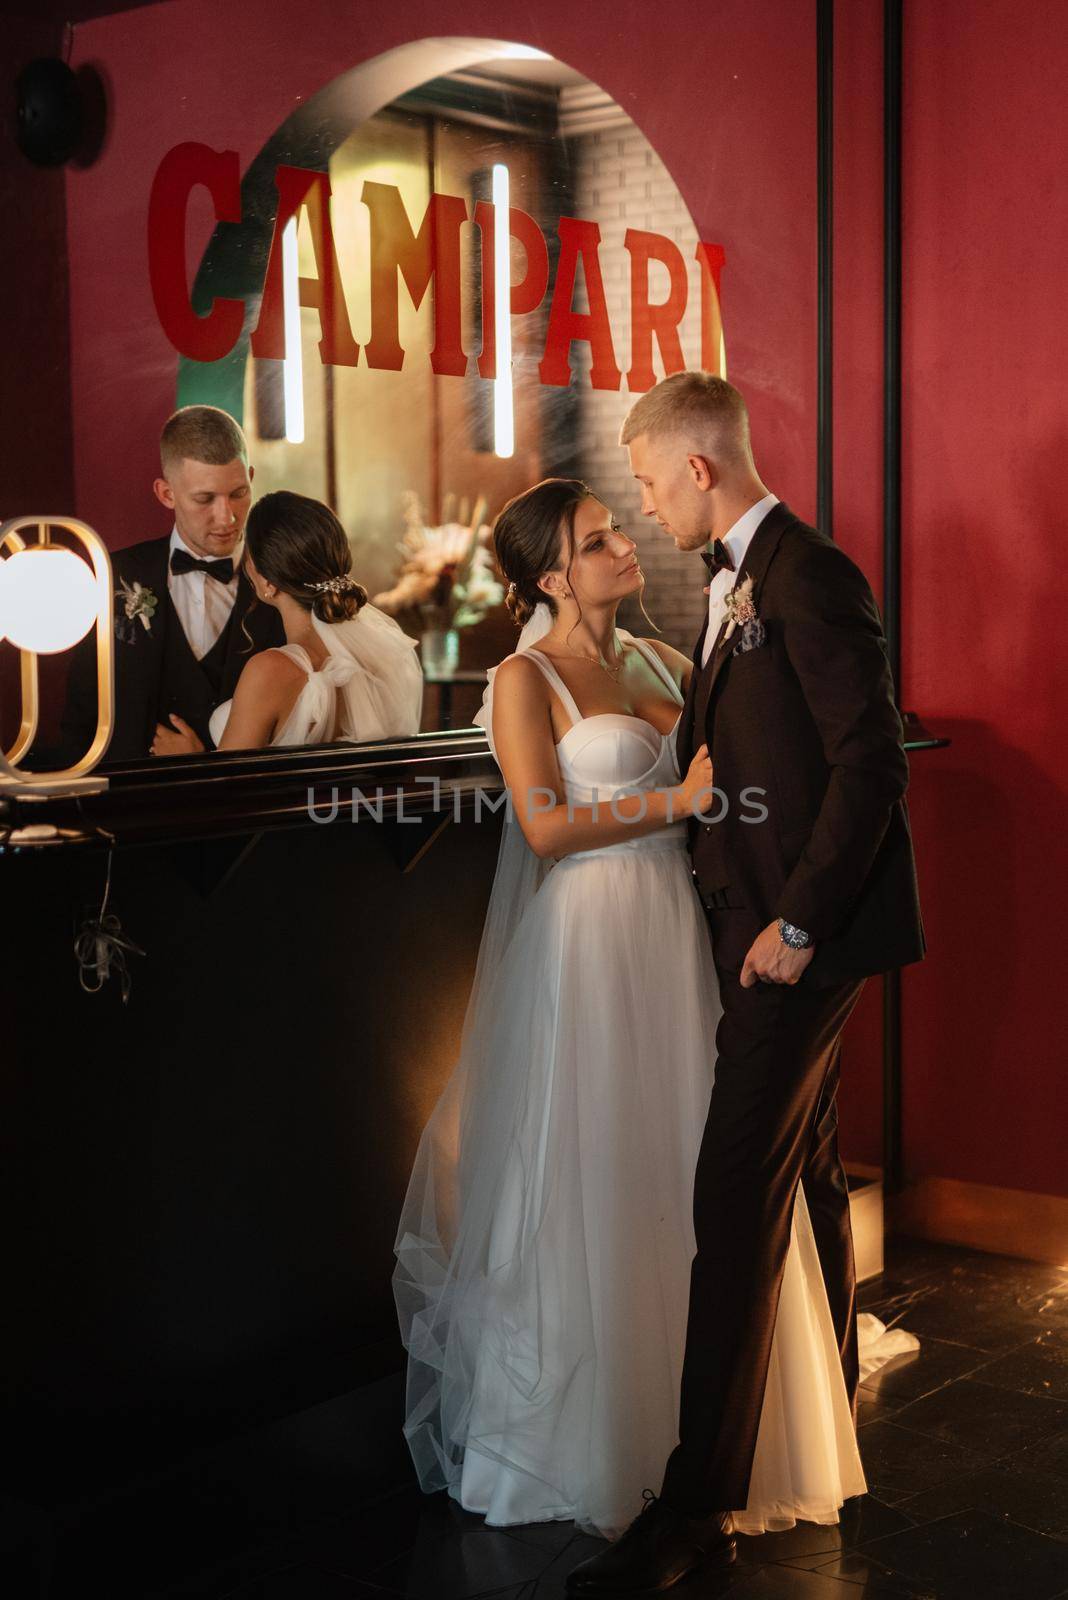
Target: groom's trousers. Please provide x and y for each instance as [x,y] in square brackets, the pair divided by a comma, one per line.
[772,1124]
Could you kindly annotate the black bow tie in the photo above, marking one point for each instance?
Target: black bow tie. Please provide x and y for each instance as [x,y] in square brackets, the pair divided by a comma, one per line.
[719,556]
[222,570]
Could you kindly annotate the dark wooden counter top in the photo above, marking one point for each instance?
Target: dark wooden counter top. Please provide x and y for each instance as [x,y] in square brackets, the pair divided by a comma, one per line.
[238,792]
[241,792]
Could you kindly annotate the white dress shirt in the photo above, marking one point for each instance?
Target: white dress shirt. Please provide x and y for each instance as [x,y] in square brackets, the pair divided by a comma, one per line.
[203,604]
[737,540]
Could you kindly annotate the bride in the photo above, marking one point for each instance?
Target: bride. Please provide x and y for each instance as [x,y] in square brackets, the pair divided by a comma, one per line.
[346,670]
[545,1241]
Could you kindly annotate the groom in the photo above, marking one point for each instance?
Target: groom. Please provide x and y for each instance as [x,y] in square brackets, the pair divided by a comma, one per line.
[791,689]
[185,623]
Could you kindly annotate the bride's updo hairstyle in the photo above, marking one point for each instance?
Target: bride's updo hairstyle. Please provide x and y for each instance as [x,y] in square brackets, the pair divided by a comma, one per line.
[300,546]
[526,538]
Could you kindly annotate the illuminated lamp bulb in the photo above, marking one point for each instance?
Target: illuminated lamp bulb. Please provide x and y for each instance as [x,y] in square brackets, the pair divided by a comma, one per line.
[48,599]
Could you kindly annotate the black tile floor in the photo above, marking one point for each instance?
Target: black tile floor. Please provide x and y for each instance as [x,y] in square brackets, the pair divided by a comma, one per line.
[965,1447]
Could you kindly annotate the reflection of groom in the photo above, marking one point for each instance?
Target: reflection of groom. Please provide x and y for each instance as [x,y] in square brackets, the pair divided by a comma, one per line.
[181,601]
[792,691]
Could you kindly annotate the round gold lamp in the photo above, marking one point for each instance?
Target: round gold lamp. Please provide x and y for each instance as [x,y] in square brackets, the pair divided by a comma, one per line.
[50,596]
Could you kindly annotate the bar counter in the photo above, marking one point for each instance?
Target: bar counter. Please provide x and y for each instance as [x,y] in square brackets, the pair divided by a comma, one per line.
[202,1183]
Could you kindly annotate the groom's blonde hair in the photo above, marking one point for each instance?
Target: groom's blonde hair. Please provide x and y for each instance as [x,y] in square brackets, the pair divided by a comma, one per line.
[201,433]
[697,408]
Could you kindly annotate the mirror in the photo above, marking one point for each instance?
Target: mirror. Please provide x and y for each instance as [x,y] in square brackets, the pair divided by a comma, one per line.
[365,371]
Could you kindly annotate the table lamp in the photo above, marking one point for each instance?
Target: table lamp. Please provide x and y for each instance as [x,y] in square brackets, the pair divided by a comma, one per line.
[49,599]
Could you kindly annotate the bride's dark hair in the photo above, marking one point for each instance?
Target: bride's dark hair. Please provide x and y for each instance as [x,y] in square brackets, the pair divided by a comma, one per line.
[299,545]
[526,538]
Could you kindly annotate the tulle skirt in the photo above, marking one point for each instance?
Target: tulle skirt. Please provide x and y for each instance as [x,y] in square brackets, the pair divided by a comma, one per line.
[545,1243]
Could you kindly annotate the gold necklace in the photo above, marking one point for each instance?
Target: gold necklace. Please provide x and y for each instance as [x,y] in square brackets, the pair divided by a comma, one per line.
[613,672]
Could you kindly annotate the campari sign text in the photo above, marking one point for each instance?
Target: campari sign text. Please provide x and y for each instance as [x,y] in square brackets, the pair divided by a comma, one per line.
[417,253]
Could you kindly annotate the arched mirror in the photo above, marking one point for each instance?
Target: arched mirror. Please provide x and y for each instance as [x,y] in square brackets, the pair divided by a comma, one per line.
[459,263]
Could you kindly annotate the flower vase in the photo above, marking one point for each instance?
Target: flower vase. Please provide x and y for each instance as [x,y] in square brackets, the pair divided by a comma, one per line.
[440,651]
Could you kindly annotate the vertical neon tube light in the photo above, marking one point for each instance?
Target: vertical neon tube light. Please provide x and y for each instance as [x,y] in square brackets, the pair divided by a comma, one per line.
[293,365]
[503,410]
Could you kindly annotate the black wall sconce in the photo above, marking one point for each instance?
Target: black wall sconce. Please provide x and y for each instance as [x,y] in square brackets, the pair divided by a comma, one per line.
[49,114]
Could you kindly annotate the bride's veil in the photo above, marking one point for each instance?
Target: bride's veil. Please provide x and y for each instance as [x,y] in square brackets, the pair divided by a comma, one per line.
[377,673]
[458,1167]
[519,871]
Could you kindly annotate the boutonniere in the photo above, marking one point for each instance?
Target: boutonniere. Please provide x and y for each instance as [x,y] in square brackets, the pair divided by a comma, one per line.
[740,607]
[139,602]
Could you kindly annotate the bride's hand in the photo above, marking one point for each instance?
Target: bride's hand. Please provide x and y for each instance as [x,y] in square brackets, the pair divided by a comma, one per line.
[696,787]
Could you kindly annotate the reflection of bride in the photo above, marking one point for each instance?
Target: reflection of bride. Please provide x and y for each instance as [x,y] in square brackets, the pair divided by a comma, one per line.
[545,1243]
[346,671]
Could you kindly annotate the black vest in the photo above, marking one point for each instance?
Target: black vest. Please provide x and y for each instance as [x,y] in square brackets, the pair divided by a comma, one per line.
[193,688]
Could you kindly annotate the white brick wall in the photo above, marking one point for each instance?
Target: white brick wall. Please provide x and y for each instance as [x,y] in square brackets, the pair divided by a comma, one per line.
[621,183]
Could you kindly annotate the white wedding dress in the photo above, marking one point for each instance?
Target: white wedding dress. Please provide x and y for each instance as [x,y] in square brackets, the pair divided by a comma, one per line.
[545,1243]
[369,687]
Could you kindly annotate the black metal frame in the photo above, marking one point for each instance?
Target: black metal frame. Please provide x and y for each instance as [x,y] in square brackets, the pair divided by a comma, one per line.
[892,24]
[825,266]
[892,42]
[893,1166]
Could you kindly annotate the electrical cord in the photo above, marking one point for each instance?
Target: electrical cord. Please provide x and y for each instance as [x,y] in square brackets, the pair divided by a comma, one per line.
[101,947]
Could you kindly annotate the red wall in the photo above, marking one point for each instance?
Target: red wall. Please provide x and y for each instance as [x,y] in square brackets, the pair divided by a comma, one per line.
[984,345]
[985,355]
[35,452]
[986,440]
[36,466]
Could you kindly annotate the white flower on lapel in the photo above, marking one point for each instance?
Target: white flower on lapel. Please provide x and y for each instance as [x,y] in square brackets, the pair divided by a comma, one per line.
[139,602]
[740,607]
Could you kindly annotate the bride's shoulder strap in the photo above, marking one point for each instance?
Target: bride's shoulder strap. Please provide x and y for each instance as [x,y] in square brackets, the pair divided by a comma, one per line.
[553,678]
[656,661]
[292,652]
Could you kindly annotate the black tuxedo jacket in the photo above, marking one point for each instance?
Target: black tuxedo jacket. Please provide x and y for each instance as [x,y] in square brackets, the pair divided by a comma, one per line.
[808,717]
[156,671]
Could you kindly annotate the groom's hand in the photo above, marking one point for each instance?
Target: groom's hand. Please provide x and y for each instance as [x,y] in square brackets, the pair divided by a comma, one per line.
[168,742]
[772,961]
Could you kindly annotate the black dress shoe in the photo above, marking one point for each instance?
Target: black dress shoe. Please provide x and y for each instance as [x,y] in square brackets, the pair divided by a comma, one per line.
[658,1550]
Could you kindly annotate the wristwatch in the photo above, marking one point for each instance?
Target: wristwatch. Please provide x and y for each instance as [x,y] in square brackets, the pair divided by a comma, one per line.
[796,938]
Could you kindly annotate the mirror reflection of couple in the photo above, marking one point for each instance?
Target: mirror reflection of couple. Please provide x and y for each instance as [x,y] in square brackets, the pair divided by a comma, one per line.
[625,1273]
[244,627]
